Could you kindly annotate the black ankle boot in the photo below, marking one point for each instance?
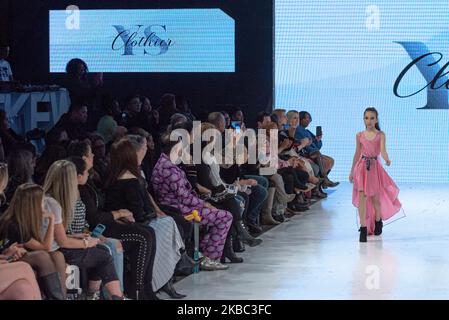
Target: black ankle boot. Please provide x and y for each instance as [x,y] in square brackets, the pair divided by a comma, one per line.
[51,286]
[170,290]
[229,253]
[363,234]
[245,236]
[238,245]
[378,228]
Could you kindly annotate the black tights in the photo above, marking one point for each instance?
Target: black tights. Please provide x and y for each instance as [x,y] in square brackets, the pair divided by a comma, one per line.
[45,263]
[41,262]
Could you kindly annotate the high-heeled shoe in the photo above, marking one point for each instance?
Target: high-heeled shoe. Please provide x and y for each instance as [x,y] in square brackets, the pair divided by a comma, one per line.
[378,227]
[363,234]
[170,290]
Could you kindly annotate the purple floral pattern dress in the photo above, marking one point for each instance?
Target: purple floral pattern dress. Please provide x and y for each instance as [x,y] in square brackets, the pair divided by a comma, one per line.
[173,189]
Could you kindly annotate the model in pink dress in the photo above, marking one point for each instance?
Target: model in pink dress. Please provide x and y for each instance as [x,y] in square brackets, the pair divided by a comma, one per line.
[374,193]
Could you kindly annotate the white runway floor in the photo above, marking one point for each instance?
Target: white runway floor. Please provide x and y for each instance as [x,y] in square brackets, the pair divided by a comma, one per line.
[317,255]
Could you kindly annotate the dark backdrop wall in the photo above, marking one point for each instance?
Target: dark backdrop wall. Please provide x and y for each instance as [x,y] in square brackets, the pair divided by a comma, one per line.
[250,87]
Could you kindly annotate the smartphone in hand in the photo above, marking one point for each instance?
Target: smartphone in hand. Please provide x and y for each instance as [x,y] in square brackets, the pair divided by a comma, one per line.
[98,231]
[319,131]
[236,125]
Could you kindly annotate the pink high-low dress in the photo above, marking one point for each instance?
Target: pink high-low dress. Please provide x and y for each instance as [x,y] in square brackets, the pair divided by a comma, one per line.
[374,181]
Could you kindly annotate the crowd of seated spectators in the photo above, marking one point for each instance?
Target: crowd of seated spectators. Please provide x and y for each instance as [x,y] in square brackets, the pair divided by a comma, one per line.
[113,168]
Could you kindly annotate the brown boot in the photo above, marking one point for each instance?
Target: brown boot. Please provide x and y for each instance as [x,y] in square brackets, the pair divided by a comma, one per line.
[267,218]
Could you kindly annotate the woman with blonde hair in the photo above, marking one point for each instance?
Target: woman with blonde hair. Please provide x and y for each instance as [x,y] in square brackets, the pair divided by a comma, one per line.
[61,190]
[17,280]
[22,223]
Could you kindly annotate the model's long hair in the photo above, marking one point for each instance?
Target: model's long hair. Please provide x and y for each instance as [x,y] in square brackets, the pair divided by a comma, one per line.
[373,110]
[25,210]
[61,183]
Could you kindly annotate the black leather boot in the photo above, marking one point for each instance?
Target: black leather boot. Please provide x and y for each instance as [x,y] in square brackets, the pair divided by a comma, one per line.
[51,286]
[170,290]
[378,227]
[363,234]
[229,253]
[245,236]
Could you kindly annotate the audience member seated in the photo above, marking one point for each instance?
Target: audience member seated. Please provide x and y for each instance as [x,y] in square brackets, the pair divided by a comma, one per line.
[22,224]
[126,189]
[173,189]
[150,116]
[227,119]
[237,115]
[7,135]
[166,109]
[312,151]
[177,119]
[222,198]
[79,227]
[140,144]
[51,154]
[182,104]
[139,243]
[218,120]
[74,122]
[20,168]
[83,150]
[295,179]
[296,150]
[61,190]
[151,157]
[262,119]
[57,136]
[101,161]
[107,123]
[131,116]
[258,185]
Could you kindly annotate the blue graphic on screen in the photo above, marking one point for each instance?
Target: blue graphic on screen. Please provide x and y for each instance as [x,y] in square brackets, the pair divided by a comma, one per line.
[165,40]
[336,58]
